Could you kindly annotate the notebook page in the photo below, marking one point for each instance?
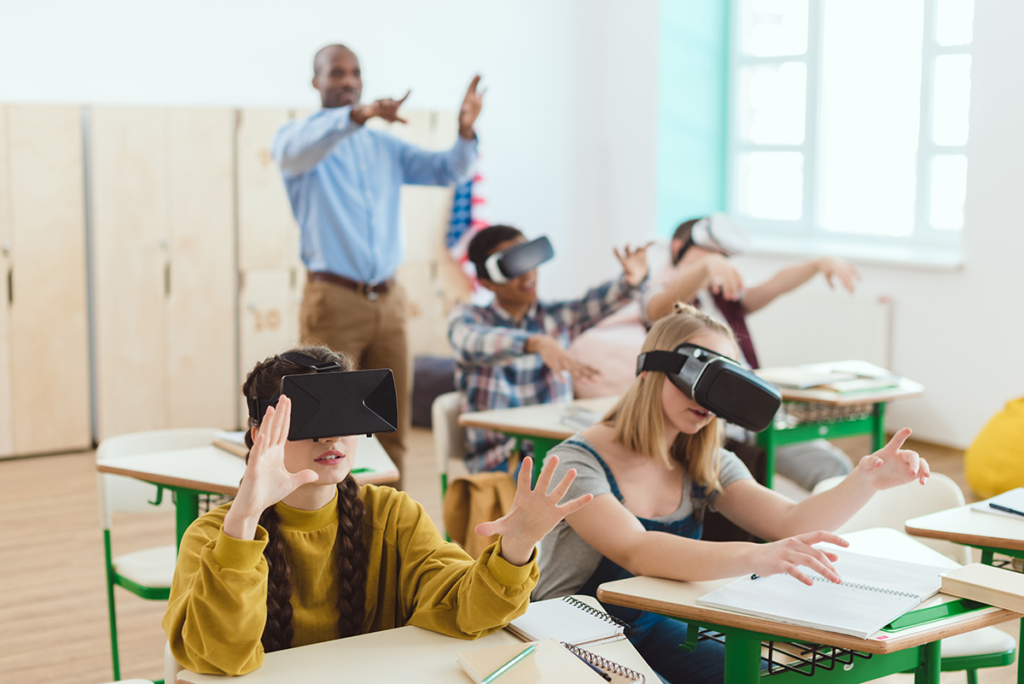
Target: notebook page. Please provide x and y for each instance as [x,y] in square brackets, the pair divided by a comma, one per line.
[1012,499]
[912,578]
[564,621]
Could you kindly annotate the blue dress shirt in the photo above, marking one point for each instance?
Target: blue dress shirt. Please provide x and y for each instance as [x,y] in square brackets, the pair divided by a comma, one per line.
[344,184]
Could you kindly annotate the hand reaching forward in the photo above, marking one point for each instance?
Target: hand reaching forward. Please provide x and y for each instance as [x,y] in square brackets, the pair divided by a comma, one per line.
[634,263]
[843,271]
[386,109]
[892,466]
[266,481]
[558,359]
[470,109]
[534,512]
[788,555]
[722,277]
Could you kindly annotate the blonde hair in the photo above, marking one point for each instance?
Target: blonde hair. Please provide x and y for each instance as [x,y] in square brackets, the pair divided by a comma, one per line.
[638,417]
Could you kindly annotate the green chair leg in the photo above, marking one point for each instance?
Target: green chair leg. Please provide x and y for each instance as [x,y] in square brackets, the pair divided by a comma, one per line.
[972,677]
[111,611]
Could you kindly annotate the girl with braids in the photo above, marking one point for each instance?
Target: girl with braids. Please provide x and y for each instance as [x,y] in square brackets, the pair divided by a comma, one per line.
[654,464]
[303,554]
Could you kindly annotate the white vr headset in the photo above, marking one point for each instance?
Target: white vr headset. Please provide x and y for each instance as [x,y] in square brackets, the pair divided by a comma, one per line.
[513,262]
[719,233]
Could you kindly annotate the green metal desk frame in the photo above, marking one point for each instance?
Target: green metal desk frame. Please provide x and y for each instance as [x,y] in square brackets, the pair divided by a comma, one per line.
[987,557]
[774,437]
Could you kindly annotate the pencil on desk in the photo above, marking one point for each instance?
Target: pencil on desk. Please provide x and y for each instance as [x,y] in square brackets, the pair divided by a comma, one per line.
[509,665]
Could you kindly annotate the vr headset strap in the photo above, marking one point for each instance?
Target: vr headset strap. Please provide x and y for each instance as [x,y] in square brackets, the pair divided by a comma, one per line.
[258,407]
[664,361]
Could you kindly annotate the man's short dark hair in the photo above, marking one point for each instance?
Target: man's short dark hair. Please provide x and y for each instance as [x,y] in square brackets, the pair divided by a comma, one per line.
[325,48]
[484,242]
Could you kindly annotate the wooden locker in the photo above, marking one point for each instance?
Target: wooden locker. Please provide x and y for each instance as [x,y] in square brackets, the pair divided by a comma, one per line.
[48,314]
[202,283]
[268,236]
[131,256]
[268,316]
[6,422]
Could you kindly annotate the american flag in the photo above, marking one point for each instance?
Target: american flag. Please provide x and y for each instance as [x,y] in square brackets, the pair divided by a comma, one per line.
[465,223]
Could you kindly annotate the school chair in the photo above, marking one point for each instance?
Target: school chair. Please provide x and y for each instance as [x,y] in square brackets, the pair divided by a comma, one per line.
[449,438]
[983,648]
[171,666]
[145,573]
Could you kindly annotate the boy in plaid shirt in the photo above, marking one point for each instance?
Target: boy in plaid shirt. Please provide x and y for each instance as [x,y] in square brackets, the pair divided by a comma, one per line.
[513,352]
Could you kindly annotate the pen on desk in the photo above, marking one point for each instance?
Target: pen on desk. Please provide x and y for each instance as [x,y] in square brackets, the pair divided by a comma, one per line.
[509,665]
[755,576]
[595,668]
[1006,509]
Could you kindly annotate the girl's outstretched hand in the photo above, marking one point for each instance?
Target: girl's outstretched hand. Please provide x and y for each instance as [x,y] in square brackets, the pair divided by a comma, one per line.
[534,512]
[790,554]
[892,466]
[266,481]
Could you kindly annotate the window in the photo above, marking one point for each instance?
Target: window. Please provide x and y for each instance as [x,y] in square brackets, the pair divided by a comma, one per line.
[849,122]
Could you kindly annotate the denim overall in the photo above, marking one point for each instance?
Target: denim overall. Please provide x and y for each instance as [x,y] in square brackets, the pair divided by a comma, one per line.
[657,638]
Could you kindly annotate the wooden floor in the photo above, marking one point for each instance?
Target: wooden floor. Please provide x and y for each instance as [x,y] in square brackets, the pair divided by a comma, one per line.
[53,612]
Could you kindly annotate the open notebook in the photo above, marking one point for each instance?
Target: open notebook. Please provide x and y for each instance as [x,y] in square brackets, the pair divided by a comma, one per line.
[551,662]
[875,591]
[567,619]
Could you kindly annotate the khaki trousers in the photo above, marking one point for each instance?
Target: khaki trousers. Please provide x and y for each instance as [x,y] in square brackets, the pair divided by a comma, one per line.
[373,332]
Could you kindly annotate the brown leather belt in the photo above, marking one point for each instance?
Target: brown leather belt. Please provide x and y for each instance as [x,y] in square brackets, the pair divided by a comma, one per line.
[370,291]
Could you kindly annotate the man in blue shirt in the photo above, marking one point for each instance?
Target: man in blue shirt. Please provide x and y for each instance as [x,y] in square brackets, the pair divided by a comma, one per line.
[344,180]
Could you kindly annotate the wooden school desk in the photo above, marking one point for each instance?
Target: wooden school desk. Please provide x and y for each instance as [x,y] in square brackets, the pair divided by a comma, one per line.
[870,422]
[915,647]
[991,533]
[190,473]
[540,424]
[405,654]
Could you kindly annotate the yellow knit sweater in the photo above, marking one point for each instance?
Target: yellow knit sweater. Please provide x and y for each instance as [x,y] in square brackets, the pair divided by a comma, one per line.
[218,602]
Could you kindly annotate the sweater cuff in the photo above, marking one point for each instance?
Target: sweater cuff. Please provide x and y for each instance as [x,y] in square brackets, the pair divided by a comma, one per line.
[507,574]
[238,554]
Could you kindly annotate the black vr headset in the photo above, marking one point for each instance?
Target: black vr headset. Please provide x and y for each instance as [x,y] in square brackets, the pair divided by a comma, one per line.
[717,383]
[331,403]
[513,262]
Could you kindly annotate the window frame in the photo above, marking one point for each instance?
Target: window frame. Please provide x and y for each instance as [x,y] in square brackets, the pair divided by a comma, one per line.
[939,247]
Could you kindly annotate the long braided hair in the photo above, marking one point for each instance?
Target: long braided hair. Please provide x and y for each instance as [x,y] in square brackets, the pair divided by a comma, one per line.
[263,382]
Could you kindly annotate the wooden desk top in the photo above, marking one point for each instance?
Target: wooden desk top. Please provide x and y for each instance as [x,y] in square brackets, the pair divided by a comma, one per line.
[679,599]
[905,390]
[539,420]
[972,528]
[406,654]
[212,469]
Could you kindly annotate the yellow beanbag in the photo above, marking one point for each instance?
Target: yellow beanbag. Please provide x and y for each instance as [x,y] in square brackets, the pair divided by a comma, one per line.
[994,463]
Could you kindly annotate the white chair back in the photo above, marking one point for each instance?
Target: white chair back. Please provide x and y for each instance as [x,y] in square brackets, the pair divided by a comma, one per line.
[120,494]
[171,666]
[893,507]
[449,436]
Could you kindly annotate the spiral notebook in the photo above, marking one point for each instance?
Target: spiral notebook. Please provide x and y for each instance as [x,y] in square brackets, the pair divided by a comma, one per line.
[552,662]
[567,619]
[875,591]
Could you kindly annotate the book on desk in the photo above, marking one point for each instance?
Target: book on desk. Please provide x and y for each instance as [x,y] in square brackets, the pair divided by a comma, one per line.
[842,377]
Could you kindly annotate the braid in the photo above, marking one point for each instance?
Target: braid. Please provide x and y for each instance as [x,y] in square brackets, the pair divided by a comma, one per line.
[278,630]
[351,559]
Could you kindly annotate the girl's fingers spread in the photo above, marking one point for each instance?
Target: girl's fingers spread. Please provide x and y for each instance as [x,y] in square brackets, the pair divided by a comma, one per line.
[823,569]
[525,471]
[546,473]
[575,505]
[819,536]
[899,438]
[562,487]
[304,477]
[831,556]
[799,576]
[486,529]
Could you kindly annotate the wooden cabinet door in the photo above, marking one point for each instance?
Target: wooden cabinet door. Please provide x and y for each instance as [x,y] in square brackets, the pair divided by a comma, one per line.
[201,327]
[6,422]
[49,313]
[131,274]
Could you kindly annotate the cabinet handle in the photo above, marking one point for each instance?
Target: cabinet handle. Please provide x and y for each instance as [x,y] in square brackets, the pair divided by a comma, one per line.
[167,279]
[10,286]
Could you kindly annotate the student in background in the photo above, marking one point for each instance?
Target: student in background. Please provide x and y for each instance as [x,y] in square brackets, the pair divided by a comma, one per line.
[303,554]
[344,182]
[654,465]
[513,352]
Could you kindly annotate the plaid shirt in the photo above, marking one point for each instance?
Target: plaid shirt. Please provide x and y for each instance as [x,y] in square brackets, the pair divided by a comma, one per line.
[494,371]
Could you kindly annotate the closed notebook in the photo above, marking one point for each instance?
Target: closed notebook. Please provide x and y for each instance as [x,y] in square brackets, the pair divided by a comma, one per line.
[1012,499]
[567,619]
[875,591]
[551,662]
[994,586]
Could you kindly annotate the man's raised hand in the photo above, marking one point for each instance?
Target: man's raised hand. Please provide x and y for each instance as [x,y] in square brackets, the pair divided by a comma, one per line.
[386,109]
[470,109]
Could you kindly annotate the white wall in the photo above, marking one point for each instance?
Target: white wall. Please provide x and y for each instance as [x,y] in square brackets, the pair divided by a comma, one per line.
[960,333]
[564,150]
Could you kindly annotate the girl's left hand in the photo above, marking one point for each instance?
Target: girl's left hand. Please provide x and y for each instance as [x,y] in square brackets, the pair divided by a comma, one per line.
[634,263]
[534,512]
[892,466]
